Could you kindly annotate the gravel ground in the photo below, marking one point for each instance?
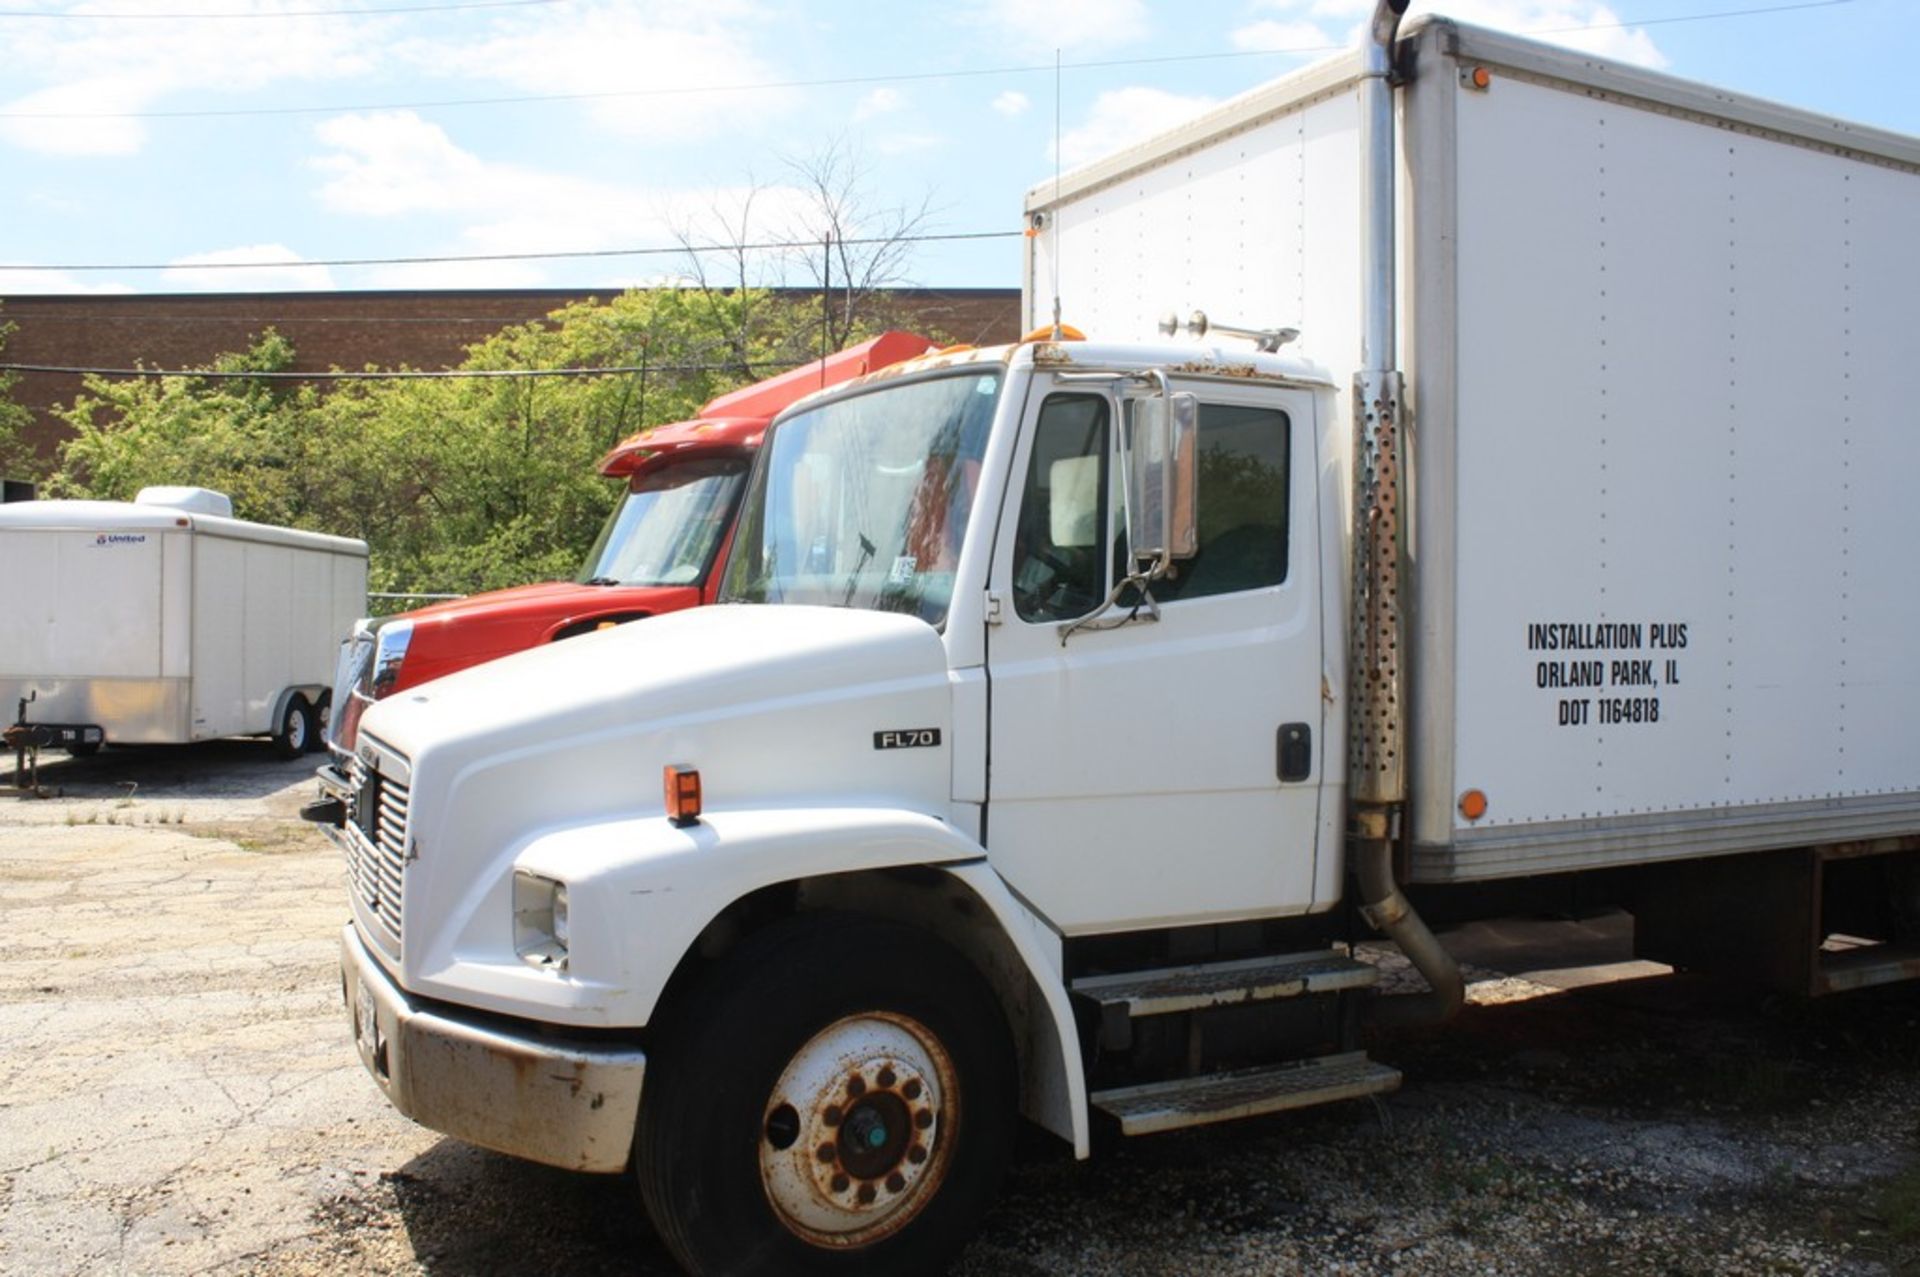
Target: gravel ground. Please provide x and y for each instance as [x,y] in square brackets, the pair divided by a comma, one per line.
[178,1094]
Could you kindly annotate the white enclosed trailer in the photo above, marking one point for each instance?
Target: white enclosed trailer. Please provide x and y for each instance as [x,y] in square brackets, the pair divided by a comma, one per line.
[165,620]
[1142,675]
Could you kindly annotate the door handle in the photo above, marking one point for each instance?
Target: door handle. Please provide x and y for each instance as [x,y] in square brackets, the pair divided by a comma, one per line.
[1296,752]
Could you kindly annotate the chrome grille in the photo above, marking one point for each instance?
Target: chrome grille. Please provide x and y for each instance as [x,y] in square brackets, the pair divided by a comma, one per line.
[352,690]
[377,849]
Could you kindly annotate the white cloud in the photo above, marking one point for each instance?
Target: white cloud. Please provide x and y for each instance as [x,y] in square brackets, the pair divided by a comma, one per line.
[1041,26]
[1012,104]
[1267,36]
[107,67]
[683,64]
[20,283]
[1586,25]
[201,271]
[906,143]
[1124,116]
[1559,22]
[879,102]
[395,164]
[77,135]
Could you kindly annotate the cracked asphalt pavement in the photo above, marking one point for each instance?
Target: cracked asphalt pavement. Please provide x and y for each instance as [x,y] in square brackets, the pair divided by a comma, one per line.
[178,1094]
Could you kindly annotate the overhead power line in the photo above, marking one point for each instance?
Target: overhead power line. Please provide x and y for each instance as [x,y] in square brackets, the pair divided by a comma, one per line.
[83,16]
[449,374]
[550,255]
[900,77]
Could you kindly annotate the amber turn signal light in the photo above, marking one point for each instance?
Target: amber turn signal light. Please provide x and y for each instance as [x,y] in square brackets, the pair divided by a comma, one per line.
[683,795]
[1473,804]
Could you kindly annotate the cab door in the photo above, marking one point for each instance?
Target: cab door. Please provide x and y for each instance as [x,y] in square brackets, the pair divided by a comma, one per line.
[1135,772]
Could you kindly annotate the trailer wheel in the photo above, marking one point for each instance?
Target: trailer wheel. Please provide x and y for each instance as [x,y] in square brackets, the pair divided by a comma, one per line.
[296,732]
[839,1099]
[322,718]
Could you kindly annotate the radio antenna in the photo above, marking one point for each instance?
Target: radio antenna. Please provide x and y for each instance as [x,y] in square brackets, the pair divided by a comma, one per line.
[1056,194]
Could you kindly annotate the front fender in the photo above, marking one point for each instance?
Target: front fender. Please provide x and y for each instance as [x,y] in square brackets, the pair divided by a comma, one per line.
[640,891]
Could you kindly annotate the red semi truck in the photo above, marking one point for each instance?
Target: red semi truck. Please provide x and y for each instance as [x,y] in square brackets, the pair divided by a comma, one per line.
[655,554]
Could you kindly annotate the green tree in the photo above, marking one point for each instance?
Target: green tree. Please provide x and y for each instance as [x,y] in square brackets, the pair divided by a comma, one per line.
[17,459]
[456,484]
[245,436]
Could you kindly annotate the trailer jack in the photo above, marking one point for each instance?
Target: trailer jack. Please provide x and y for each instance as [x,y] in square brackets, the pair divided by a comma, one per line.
[23,738]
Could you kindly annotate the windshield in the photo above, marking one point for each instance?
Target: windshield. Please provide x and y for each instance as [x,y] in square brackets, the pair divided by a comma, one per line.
[863,502]
[667,526]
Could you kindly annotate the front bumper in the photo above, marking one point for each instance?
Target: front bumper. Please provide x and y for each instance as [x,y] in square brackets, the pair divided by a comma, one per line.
[566,1104]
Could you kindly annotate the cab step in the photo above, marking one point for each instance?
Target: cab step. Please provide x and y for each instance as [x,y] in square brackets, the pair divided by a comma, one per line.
[1213,984]
[1223,1097]
[1864,966]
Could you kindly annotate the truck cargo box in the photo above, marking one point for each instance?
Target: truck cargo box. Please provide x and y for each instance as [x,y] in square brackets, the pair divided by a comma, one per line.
[1663,592]
[165,620]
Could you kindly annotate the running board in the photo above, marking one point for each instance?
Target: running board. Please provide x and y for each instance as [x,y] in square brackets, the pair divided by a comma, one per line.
[1213,984]
[1223,1097]
[1837,971]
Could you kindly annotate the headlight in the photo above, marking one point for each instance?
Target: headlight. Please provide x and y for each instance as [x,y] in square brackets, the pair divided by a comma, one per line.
[539,920]
[390,648]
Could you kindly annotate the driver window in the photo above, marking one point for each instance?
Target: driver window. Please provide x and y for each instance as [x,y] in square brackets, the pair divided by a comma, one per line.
[1059,558]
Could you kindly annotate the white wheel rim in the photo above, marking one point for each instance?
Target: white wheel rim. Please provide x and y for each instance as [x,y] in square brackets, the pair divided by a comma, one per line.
[858,1132]
[296,729]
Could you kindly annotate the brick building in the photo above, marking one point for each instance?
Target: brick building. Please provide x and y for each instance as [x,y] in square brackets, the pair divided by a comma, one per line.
[348,329]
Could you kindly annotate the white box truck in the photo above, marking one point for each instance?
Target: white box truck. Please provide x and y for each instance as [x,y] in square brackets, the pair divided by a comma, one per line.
[165,620]
[1094,696]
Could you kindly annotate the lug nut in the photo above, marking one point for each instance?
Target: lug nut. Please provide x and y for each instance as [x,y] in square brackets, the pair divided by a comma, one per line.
[923,1119]
[912,1089]
[856,1086]
[840,1183]
[866,1194]
[896,1182]
[886,1078]
[832,1116]
[916,1155]
[828,1152]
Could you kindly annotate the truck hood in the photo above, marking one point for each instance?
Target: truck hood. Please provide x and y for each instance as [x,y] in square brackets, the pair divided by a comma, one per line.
[459,633]
[546,598]
[776,706]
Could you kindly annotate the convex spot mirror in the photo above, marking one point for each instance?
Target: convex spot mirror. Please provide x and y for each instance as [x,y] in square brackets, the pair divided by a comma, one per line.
[1163,481]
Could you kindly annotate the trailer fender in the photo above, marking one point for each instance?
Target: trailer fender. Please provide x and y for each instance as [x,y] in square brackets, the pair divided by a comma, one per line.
[312,691]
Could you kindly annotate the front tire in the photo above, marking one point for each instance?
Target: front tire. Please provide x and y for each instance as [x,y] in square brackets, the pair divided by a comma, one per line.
[837,1097]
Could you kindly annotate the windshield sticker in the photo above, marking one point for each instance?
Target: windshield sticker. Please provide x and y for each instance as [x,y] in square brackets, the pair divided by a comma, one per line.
[902,571]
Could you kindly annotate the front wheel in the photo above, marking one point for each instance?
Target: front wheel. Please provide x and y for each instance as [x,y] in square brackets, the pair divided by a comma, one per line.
[839,1100]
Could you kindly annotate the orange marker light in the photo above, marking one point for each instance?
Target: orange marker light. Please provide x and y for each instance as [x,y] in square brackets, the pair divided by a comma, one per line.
[1482,77]
[683,794]
[1473,804]
[1045,333]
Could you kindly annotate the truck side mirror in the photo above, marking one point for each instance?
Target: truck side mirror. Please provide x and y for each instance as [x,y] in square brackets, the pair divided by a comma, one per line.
[1163,481]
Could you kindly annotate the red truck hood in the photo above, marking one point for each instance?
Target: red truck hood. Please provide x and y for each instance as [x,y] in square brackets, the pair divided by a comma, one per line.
[539,601]
[461,632]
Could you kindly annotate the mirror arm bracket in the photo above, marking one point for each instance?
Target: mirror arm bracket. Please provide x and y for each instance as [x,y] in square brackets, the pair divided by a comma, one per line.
[1144,611]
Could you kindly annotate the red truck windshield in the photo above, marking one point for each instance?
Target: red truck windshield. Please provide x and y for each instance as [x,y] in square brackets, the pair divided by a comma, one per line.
[667,526]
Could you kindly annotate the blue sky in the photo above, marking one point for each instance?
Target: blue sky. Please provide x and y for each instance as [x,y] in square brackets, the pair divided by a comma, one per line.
[120,142]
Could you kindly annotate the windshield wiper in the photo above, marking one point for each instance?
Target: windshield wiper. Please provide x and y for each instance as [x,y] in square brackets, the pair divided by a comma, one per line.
[603,580]
[867,550]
